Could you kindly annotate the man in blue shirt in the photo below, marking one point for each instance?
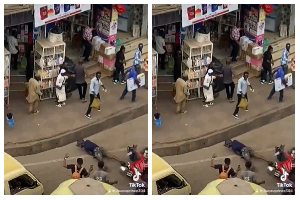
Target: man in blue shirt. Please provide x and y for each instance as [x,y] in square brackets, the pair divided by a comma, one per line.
[93,149]
[285,58]
[279,74]
[132,74]
[242,150]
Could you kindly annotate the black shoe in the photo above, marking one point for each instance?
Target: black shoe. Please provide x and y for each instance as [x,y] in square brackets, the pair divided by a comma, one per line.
[133,101]
[269,98]
[121,98]
[280,101]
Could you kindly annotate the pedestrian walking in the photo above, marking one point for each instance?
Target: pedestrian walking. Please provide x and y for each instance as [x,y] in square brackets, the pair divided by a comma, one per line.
[95,92]
[267,66]
[208,88]
[285,58]
[279,73]
[235,38]
[181,95]
[119,65]
[60,88]
[242,89]
[80,80]
[227,80]
[87,42]
[34,93]
[132,74]
[137,59]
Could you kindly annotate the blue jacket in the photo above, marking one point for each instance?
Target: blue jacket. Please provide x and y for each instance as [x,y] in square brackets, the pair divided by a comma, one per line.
[132,74]
[280,74]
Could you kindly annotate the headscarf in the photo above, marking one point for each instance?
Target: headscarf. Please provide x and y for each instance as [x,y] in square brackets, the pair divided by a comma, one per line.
[62,71]
[210,71]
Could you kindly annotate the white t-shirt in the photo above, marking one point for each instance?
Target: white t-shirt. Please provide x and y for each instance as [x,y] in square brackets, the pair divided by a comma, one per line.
[12,43]
[160,43]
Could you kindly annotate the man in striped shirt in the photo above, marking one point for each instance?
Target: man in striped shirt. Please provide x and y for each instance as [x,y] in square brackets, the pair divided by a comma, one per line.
[87,42]
[137,59]
[285,58]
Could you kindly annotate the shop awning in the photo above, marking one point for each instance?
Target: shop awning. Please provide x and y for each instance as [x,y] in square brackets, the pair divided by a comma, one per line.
[10,9]
[158,9]
[15,14]
[164,14]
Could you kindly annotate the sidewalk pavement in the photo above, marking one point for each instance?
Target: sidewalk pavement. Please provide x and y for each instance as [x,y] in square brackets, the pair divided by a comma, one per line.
[201,122]
[54,122]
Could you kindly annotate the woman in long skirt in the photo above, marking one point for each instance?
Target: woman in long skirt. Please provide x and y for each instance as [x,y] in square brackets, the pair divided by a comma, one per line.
[60,88]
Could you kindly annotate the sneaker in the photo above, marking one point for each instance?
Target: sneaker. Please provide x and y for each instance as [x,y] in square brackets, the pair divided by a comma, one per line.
[183,112]
[246,110]
[99,110]
[123,82]
[58,105]
[36,112]
[88,116]
[231,100]
[206,105]
[236,116]
[262,82]
[83,100]
[63,104]
[115,82]
[271,82]
[211,104]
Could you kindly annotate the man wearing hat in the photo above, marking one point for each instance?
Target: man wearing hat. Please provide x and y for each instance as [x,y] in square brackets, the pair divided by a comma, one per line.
[182,94]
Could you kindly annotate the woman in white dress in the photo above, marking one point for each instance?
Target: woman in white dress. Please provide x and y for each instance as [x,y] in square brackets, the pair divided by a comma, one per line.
[60,88]
[208,88]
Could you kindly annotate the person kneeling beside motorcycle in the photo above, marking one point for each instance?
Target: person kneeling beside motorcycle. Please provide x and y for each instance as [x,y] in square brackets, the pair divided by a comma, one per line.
[93,149]
[102,175]
[242,150]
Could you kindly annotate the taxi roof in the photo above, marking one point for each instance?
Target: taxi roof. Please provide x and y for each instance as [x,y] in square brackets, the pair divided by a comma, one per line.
[159,165]
[11,164]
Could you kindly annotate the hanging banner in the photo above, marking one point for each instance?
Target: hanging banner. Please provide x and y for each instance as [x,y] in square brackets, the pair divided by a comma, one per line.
[196,13]
[49,13]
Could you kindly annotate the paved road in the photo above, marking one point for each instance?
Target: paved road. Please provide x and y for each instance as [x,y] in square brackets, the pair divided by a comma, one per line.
[47,166]
[195,166]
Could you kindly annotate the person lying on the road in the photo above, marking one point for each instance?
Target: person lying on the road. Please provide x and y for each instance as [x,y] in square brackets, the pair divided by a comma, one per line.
[242,150]
[93,149]
[102,175]
[78,171]
[249,175]
[225,171]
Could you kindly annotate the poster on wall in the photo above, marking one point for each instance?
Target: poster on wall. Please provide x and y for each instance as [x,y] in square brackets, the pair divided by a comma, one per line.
[49,13]
[196,13]
[251,23]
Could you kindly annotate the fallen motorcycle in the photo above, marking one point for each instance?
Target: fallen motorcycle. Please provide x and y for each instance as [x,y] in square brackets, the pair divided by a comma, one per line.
[138,164]
[285,164]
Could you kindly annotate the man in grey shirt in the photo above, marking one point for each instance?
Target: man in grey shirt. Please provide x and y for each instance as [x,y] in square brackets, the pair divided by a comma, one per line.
[80,80]
[242,89]
[248,175]
[228,82]
[102,175]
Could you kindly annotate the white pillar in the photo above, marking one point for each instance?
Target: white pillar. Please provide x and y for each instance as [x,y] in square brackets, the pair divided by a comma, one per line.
[292,21]
[144,29]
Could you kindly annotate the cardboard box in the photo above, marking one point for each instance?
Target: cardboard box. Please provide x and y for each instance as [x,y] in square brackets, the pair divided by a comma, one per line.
[103,46]
[108,57]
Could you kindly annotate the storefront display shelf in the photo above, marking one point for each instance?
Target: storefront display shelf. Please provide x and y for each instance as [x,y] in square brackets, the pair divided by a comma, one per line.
[45,48]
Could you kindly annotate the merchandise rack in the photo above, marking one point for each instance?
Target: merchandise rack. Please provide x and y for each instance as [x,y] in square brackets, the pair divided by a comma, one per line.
[154,77]
[7,57]
[194,64]
[48,57]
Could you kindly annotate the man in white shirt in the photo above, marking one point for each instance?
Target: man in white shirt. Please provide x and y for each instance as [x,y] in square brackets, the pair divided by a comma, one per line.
[13,48]
[161,49]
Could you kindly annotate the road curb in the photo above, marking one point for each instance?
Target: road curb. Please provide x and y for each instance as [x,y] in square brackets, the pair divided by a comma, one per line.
[228,133]
[72,136]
